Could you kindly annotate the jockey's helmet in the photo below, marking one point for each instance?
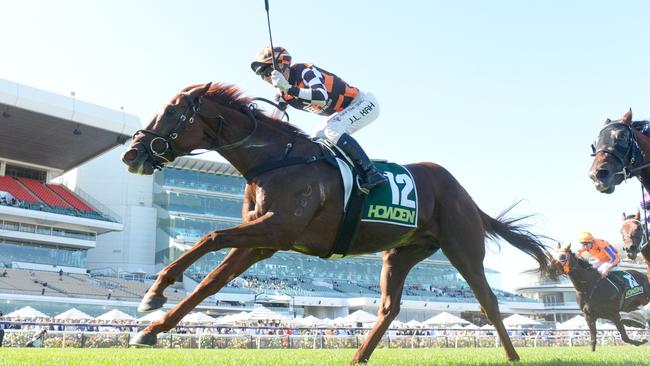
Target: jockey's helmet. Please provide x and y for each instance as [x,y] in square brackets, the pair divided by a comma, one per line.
[585,237]
[264,60]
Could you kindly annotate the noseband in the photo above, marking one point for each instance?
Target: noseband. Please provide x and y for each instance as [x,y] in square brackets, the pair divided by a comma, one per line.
[625,150]
[161,145]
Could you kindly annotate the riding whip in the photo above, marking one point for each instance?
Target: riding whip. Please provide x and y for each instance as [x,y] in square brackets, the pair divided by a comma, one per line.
[268,21]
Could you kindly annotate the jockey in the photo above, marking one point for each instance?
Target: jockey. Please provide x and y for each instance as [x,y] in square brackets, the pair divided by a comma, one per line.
[312,89]
[606,255]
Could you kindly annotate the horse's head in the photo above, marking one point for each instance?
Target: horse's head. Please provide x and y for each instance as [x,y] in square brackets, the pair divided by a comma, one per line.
[634,235]
[562,262]
[173,132]
[615,152]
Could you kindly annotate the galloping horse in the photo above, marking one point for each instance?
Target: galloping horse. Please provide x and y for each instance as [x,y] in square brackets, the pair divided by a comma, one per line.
[598,297]
[620,152]
[293,201]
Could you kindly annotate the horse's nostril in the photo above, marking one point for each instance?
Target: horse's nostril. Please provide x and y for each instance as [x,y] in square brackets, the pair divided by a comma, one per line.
[130,155]
[602,174]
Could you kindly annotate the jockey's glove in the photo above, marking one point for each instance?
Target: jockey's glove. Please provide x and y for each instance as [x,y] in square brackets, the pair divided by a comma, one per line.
[278,81]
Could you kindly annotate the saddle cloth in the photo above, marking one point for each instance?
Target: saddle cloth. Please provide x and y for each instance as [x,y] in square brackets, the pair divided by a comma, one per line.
[628,286]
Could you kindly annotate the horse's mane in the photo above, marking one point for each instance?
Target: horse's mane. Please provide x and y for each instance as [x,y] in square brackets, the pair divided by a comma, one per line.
[231,96]
[585,264]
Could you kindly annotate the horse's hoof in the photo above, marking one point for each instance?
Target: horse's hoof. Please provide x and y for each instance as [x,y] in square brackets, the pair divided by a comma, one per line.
[143,340]
[151,303]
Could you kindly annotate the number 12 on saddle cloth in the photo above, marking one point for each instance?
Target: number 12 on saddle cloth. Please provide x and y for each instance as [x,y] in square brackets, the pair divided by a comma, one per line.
[393,203]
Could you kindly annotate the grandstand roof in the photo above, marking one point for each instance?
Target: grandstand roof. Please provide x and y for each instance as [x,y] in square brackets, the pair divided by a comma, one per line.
[56,131]
[205,166]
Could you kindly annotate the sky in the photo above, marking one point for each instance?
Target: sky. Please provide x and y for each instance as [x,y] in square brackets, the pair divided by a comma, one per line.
[507,95]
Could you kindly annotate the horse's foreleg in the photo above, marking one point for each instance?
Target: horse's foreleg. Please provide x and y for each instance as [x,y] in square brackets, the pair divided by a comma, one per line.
[396,265]
[236,262]
[624,337]
[591,322]
[263,237]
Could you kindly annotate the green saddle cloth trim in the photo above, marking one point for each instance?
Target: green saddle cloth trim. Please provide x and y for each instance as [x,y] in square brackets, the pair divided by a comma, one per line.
[630,286]
[393,203]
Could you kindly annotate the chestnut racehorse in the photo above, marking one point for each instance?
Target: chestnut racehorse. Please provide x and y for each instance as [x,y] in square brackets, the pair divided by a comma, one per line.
[293,201]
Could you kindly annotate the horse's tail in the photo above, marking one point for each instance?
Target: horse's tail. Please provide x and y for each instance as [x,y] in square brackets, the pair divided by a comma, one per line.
[517,234]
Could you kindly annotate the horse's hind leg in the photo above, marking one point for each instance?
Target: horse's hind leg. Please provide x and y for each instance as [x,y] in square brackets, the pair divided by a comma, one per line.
[466,252]
[624,337]
[236,262]
[396,265]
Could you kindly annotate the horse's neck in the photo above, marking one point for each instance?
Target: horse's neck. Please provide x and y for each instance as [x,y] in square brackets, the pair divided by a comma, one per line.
[265,145]
[583,280]
[644,146]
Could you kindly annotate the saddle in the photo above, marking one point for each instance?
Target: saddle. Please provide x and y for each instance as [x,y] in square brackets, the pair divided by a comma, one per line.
[629,288]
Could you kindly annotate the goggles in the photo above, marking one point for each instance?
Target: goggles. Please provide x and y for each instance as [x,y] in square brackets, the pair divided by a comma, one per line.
[264,71]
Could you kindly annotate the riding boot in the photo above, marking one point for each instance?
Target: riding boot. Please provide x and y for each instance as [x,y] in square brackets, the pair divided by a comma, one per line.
[371,177]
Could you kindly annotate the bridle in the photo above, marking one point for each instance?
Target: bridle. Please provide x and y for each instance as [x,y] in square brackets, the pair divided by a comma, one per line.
[161,145]
[625,150]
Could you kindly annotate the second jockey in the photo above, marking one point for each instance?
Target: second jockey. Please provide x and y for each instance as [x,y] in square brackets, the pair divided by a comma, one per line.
[606,255]
[312,89]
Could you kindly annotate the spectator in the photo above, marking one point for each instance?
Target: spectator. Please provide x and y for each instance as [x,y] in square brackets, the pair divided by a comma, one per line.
[110,293]
[61,274]
[4,273]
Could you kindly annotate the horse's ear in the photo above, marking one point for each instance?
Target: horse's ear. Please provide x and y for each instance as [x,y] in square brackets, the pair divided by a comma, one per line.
[624,217]
[637,216]
[627,117]
[567,248]
[608,121]
[199,91]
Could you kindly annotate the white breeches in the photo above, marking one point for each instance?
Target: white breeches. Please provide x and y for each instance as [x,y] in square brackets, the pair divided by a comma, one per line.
[363,110]
[600,265]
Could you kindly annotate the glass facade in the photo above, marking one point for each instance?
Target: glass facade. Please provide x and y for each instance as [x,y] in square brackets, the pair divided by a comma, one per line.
[46,230]
[18,251]
[192,204]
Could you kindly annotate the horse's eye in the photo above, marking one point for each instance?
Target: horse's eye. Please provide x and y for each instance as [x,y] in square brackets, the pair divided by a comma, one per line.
[170,112]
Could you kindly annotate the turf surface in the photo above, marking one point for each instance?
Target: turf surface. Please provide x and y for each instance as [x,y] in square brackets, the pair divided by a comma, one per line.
[565,356]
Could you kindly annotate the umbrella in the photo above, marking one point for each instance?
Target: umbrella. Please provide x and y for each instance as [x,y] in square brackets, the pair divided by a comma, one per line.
[359,316]
[517,320]
[198,317]
[310,321]
[413,324]
[152,316]
[396,324]
[446,320]
[488,327]
[577,322]
[73,314]
[26,312]
[261,313]
[115,315]
[471,326]
[231,318]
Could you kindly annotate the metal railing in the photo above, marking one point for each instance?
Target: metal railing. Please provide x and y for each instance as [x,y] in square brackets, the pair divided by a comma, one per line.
[205,338]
